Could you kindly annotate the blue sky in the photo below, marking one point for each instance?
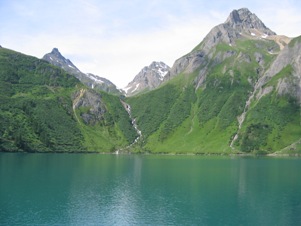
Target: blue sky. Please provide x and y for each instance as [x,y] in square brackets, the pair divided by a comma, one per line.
[115,39]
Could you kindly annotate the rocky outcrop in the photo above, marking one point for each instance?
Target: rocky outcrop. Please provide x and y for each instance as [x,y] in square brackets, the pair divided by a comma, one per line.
[187,64]
[88,105]
[91,80]
[150,77]
[291,83]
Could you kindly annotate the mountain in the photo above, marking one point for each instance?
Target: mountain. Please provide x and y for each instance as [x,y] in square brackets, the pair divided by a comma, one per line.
[46,109]
[239,25]
[237,91]
[149,78]
[91,80]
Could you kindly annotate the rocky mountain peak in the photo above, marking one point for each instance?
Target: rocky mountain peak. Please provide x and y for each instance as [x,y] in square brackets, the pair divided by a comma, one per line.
[57,59]
[56,52]
[243,20]
[91,80]
[240,24]
[150,77]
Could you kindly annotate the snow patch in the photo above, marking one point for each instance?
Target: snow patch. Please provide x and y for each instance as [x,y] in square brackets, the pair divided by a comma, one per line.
[253,34]
[230,44]
[95,78]
[264,36]
[51,58]
[126,89]
[162,73]
[70,66]
[136,87]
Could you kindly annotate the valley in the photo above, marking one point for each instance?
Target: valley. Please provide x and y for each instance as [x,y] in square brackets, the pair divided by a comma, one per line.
[238,91]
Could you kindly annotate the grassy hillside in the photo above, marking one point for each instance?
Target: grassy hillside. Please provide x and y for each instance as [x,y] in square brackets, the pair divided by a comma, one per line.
[37,112]
[44,109]
[178,118]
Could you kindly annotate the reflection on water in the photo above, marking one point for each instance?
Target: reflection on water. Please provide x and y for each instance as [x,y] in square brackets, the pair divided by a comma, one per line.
[96,189]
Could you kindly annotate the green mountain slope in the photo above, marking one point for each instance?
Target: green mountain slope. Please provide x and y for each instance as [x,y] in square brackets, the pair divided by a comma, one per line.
[44,109]
[240,95]
[238,91]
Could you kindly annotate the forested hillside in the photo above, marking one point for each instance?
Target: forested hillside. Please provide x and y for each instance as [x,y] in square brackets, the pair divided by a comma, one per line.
[44,109]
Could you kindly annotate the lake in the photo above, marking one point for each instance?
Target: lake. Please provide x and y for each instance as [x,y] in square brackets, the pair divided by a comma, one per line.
[97,189]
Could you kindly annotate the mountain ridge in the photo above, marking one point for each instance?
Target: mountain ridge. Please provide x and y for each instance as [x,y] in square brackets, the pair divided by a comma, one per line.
[238,91]
[89,79]
[246,83]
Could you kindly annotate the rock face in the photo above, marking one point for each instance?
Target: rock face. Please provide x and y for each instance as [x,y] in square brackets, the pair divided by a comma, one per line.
[91,80]
[240,24]
[90,106]
[150,77]
[288,57]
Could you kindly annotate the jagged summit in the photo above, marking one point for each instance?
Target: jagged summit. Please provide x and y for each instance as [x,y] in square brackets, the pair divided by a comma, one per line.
[56,52]
[91,80]
[57,59]
[240,24]
[243,20]
[150,77]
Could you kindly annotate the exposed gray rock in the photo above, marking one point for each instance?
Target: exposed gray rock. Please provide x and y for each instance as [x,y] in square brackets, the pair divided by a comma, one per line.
[90,106]
[259,58]
[243,20]
[150,77]
[201,78]
[242,57]
[290,55]
[187,64]
[240,23]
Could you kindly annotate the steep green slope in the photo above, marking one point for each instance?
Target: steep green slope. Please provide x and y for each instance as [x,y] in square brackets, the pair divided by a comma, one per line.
[182,118]
[45,109]
[273,123]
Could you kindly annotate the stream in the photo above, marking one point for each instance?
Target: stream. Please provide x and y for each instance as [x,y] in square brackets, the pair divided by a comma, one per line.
[134,123]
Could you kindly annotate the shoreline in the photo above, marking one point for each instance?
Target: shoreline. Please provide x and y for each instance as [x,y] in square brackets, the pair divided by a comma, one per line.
[165,153]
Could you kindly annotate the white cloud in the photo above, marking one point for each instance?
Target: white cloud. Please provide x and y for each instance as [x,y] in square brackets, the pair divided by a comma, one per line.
[121,58]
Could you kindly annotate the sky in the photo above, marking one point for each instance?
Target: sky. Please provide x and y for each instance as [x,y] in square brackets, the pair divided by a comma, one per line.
[115,39]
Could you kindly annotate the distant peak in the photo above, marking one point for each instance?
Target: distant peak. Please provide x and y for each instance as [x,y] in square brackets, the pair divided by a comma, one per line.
[56,51]
[156,64]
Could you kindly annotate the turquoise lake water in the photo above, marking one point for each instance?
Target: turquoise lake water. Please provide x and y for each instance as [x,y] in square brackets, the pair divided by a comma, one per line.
[95,189]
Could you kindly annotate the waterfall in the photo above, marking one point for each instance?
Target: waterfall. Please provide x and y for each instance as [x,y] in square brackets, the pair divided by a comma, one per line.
[128,109]
[261,92]
[139,132]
